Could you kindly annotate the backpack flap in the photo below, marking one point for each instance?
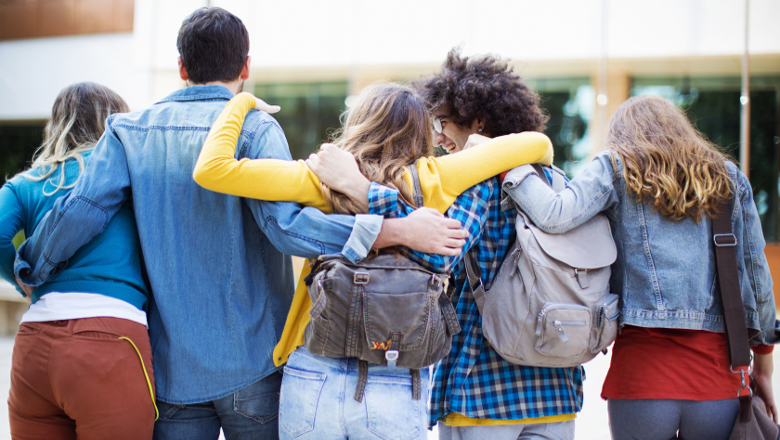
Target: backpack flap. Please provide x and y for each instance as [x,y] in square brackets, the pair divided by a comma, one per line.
[588,246]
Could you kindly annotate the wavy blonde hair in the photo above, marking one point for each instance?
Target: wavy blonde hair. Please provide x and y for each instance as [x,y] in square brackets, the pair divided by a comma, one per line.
[666,162]
[387,129]
[78,119]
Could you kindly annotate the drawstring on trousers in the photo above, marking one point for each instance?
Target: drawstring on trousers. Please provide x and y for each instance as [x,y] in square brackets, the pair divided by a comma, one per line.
[148,382]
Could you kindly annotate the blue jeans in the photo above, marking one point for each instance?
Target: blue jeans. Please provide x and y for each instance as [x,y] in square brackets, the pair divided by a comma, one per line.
[250,413]
[317,401]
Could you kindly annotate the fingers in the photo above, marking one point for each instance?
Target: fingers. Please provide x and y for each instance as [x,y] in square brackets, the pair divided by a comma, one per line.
[447,251]
[313,162]
[453,243]
[265,107]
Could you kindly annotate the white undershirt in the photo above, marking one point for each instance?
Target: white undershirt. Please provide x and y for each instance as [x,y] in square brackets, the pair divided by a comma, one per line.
[62,306]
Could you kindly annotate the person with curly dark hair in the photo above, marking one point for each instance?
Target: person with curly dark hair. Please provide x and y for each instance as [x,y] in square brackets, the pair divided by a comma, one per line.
[481,94]
[475,392]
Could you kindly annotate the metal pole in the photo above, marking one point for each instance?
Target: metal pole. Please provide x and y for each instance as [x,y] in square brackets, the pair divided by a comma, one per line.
[602,96]
[744,100]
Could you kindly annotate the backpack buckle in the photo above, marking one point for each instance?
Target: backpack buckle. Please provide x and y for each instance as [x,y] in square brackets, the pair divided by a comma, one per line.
[361,278]
[392,357]
[724,240]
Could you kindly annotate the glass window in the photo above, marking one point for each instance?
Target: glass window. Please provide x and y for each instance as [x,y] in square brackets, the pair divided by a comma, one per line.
[569,103]
[713,106]
[17,146]
[310,112]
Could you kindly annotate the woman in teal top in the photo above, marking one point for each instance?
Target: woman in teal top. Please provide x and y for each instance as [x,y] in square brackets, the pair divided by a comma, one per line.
[82,358]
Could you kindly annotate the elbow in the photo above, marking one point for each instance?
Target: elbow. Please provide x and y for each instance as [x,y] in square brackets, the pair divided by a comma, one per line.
[201,177]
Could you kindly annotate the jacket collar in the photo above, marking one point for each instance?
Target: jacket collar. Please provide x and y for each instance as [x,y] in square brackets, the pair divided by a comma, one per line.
[198,93]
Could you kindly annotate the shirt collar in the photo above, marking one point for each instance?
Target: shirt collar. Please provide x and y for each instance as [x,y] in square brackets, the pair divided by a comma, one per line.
[199,93]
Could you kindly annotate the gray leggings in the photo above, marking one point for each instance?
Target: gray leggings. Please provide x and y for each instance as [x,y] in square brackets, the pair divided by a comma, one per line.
[650,419]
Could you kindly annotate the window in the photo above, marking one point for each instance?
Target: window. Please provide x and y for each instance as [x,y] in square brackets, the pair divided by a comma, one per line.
[713,106]
[310,112]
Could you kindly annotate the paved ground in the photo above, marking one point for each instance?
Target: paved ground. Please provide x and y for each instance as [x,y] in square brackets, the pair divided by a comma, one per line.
[591,423]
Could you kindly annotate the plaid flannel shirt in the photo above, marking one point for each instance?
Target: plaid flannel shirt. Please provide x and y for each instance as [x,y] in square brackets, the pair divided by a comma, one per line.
[474,380]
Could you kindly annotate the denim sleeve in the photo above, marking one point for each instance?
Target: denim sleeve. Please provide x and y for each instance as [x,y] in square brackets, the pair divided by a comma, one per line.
[589,193]
[306,231]
[75,219]
[11,222]
[756,264]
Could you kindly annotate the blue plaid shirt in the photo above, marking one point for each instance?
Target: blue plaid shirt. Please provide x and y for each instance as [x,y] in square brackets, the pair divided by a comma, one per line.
[474,380]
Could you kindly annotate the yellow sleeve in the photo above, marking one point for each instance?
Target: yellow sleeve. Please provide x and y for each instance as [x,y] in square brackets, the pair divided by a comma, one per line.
[297,319]
[266,179]
[443,179]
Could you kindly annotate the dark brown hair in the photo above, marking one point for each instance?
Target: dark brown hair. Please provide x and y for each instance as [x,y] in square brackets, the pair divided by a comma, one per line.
[666,162]
[213,45]
[483,87]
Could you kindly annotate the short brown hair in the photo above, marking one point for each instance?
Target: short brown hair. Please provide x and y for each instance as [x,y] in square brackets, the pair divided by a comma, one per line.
[213,45]
[483,87]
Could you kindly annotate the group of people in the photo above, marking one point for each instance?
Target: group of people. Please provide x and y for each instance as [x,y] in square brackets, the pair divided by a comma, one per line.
[163,300]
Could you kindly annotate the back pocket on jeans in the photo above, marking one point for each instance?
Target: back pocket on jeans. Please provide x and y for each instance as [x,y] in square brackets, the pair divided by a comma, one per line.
[298,401]
[392,413]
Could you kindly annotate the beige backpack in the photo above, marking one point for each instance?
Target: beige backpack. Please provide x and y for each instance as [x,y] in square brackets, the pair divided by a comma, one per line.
[550,303]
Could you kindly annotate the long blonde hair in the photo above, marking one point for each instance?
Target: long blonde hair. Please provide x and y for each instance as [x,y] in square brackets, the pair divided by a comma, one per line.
[666,162]
[78,119]
[387,129]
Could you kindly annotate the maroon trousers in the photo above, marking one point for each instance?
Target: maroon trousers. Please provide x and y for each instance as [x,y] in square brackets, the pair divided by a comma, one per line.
[76,379]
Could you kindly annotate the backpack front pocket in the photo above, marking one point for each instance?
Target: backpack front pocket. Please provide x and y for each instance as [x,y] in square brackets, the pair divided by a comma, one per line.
[405,314]
[563,330]
[605,331]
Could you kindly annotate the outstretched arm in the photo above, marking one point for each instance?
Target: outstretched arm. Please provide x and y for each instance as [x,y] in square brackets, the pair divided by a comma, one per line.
[444,178]
[266,179]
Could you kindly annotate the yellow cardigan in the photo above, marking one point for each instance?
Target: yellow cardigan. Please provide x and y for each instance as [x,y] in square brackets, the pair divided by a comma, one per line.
[442,180]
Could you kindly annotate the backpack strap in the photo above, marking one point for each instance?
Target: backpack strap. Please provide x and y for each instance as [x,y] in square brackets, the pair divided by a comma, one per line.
[362,380]
[475,281]
[416,385]
[417,189]
[733,309]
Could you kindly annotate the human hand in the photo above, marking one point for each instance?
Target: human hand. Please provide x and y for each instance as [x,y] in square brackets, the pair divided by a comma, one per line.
[338,170]
[25,288]
[763,368]
[475,139]
[425,230]
[265,107]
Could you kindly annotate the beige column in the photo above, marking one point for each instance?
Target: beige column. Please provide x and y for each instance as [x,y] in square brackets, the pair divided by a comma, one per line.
[618,89]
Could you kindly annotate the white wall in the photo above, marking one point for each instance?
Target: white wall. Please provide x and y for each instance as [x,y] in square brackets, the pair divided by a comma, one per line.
[32,72]
[314,33]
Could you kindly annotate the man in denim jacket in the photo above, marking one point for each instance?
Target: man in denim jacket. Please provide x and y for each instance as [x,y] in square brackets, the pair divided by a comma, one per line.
[221,283]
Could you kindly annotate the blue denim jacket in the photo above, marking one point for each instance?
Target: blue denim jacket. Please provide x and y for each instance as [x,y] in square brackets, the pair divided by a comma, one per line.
[665,272]
[221,283]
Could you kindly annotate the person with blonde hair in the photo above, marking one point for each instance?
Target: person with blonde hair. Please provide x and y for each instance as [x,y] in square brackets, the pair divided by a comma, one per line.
[386,131]
[660,183]
[82,362]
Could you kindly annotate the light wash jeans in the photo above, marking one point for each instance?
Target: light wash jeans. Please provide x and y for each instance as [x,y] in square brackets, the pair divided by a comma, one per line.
[317,401]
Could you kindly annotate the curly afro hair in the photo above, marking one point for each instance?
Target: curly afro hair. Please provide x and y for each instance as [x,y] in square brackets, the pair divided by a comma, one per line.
[483,87]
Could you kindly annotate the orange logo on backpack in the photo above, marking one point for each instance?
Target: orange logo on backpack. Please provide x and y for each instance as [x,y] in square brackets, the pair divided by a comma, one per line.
[380,345]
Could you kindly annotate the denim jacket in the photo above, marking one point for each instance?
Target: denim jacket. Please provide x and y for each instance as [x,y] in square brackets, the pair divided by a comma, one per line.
[221,283]
[665,273]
